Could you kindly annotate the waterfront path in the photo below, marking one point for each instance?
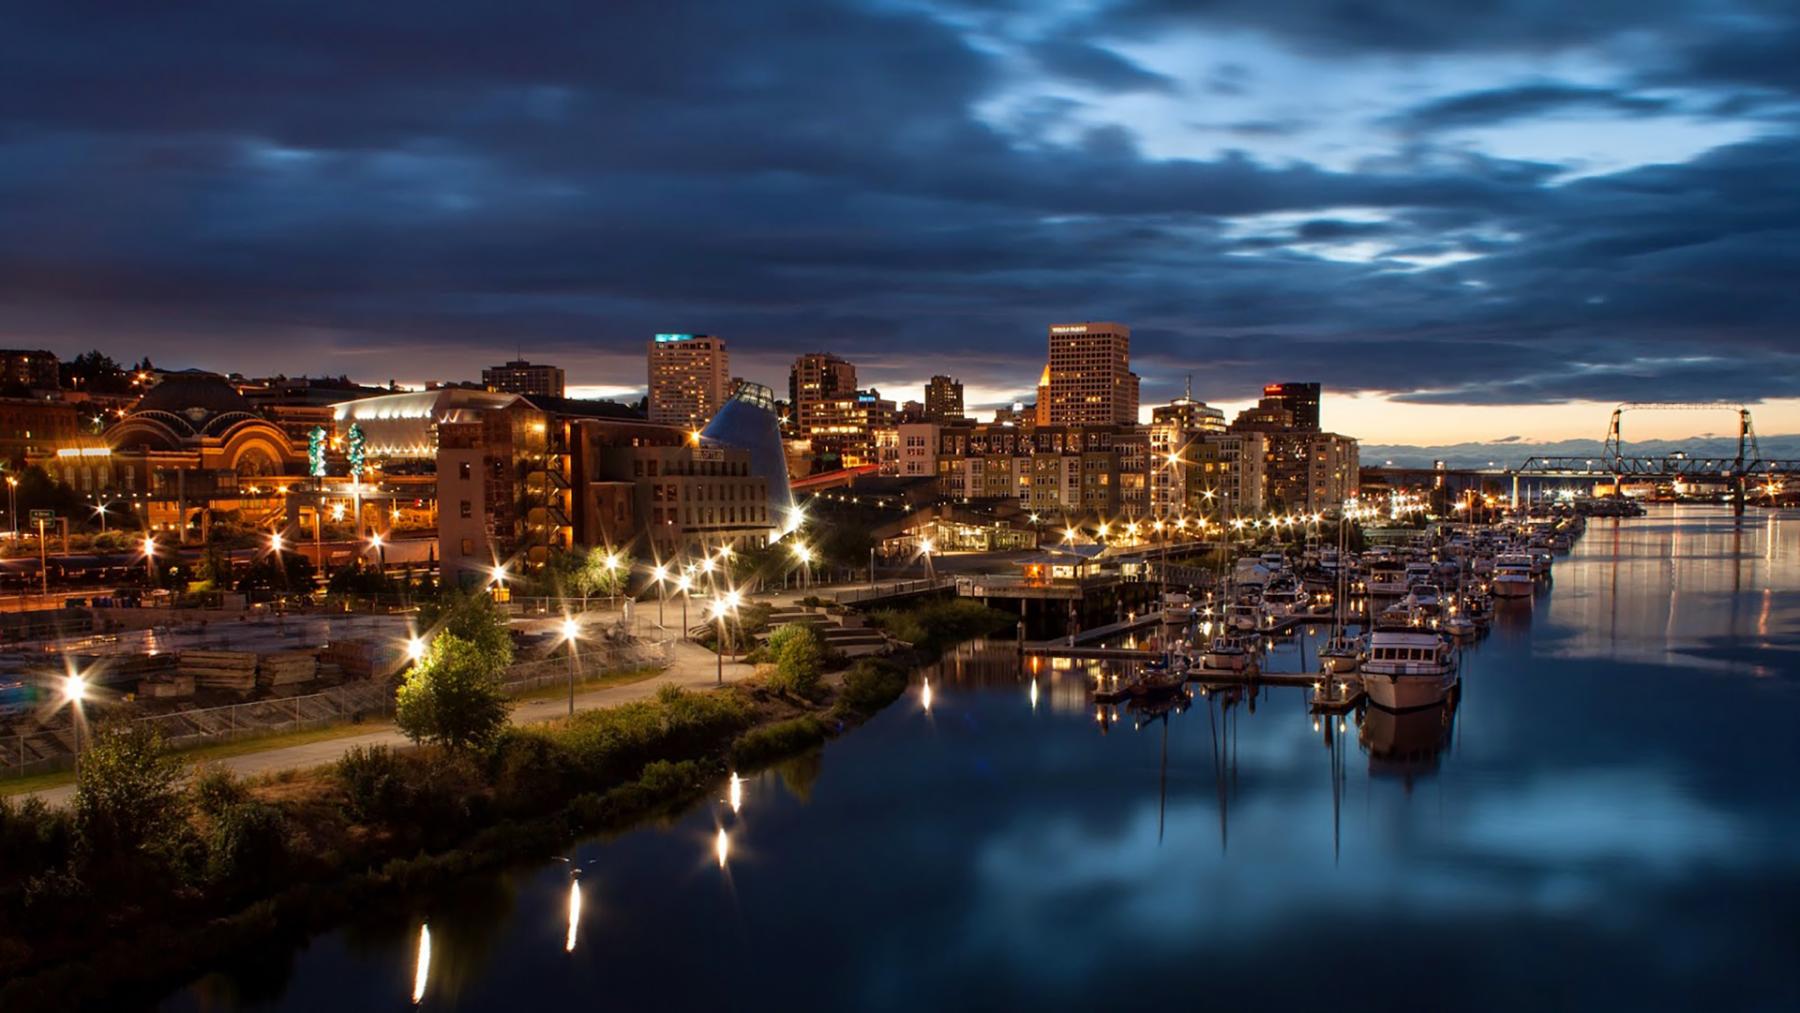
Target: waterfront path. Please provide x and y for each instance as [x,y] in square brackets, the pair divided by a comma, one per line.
[692,667]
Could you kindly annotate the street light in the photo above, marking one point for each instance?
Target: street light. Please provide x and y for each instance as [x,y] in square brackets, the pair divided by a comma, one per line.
[12,503]
[149,557]
[721,607]
[100,511]
[925,549]
[75,691]
[275,542]
[380,552]
[684,585]
[571,631]
[661,575]
[415,648]
[805,555]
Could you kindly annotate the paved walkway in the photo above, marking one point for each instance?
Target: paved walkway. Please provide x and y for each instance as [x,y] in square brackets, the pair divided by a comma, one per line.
[693,667]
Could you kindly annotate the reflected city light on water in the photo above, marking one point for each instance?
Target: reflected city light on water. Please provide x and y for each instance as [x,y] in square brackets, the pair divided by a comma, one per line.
[722,847]
[1034,694]
[422,967]
[737,792]
[925,696]
[574,915]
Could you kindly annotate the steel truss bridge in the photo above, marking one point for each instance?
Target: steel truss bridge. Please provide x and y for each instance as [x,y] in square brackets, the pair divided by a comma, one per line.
[1738,472]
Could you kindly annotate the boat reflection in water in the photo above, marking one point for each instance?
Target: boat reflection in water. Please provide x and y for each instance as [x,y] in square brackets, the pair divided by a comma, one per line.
[1407,744]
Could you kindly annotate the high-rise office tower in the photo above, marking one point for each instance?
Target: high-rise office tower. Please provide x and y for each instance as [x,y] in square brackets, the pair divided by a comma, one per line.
[1091,382]
[943,399]
[820,386]
[521,377]
[690,378]
[1301,399]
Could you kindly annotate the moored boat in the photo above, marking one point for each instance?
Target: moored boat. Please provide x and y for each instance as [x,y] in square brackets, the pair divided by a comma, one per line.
[1408,668]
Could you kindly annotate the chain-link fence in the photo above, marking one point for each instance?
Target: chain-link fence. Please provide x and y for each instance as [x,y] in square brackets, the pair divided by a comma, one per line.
[51,750]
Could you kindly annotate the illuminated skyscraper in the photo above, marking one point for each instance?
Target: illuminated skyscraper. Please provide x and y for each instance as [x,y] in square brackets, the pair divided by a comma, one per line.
[690,378]
[1091,382]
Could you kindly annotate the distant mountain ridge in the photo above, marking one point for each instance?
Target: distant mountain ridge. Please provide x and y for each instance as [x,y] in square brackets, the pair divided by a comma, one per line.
[1512,453]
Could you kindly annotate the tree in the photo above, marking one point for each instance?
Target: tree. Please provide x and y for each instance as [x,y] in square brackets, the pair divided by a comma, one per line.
[95,372]
[472,617]
[602,574]
[130,809]
[276,573]
[798,652]
[452,697]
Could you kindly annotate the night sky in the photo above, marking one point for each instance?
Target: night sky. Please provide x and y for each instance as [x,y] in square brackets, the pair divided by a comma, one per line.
[1445,206]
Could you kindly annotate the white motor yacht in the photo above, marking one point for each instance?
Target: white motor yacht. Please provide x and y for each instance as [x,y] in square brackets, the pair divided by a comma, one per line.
[1408,668]
[1512,576]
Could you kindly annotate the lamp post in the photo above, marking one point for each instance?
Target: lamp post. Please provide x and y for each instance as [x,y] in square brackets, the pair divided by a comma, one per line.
[100,511]
[804,555]
[684,585]
[380,552]
[74,689]
[12,503]
[722,607]
[571,631]
[150,558]
[661,576]
[925,549]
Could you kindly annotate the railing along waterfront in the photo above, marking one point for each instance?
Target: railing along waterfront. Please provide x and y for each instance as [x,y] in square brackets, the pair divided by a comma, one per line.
[53,750]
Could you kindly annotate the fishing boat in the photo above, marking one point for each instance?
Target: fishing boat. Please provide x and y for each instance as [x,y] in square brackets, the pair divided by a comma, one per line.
[1243,616]
[1386,578]
[1408,668]
[1227,653]
[1284,599]
[1158,678]
[1178,609]
[1340,654]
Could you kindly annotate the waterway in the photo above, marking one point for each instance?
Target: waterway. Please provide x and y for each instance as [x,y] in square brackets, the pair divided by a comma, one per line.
[1607,819]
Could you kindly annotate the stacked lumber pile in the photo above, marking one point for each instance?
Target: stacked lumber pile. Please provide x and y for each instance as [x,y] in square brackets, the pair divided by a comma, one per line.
[227,670]
[354,658]
[286,668]
[166,687]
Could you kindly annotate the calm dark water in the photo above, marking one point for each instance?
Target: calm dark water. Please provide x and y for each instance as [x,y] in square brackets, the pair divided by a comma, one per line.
[1609,819]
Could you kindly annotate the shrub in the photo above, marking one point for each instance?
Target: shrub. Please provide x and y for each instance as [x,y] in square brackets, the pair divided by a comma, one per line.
[612,745]
[769,743]
[531,771]
[33,837]
[798,652]
[452,697]
[130,812]
[215,789]
[872,684]
[248,847]
[374,789]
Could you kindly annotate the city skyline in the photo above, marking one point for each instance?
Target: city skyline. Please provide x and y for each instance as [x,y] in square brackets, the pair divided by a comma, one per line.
[1479,225]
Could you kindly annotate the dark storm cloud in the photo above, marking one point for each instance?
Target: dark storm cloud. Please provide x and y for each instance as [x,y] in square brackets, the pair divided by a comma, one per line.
[1094,65]
[1502,105]
[307,187]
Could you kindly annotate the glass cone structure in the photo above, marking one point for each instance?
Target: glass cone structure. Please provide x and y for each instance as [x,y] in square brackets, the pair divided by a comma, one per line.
[747,421]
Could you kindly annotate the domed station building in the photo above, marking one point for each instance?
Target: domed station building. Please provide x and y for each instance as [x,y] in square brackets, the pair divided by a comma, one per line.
[191,442]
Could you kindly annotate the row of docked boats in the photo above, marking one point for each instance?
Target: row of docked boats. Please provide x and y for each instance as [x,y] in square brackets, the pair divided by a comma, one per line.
[1422,600]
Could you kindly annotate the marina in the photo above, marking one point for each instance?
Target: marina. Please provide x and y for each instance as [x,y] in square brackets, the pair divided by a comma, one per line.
[1557,800]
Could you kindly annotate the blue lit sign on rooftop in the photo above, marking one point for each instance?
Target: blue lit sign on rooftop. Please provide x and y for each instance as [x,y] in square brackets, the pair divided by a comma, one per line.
[674,337]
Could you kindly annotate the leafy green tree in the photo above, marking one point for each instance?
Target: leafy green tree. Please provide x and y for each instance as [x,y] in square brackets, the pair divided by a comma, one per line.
[129,808]
[472,617]
[452,697]
[603,573]
[799,653]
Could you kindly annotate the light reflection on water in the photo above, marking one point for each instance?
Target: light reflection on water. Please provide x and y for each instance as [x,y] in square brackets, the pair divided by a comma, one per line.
[1603,819]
